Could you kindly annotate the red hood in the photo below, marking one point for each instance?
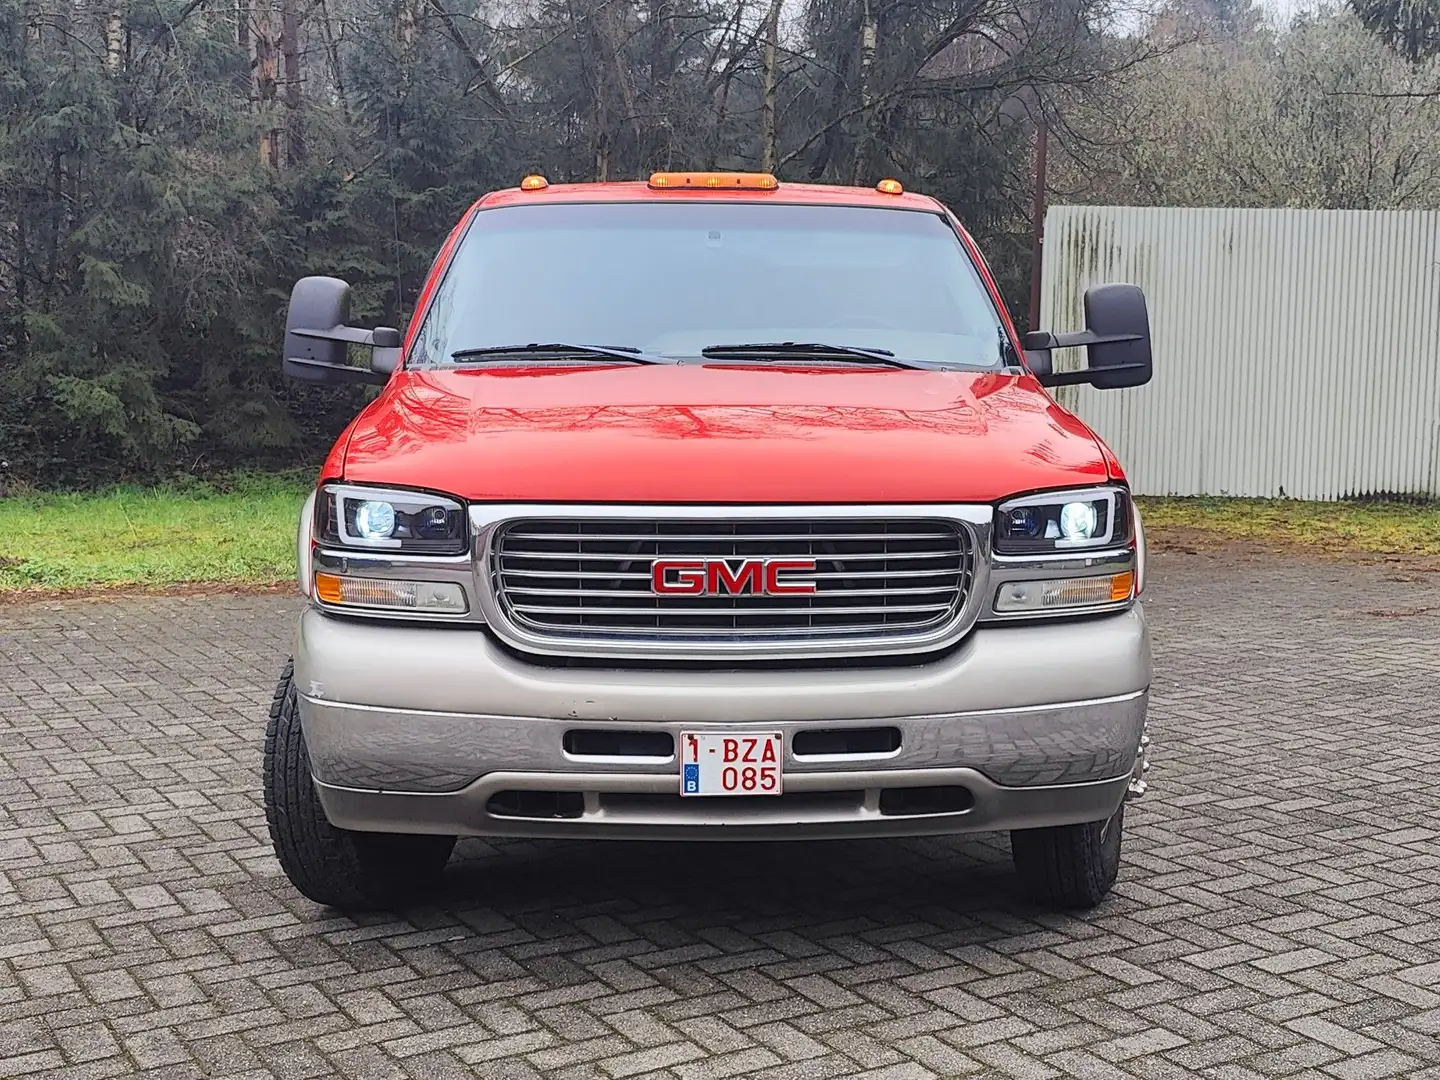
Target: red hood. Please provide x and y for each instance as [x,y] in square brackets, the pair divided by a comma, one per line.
[720,435]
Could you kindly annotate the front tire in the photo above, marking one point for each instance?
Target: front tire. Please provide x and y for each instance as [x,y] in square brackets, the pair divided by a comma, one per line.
[1069,866]
[336,867]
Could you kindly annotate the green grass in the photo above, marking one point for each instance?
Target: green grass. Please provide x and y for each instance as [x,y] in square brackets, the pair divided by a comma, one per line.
[1344,528]
[240,532]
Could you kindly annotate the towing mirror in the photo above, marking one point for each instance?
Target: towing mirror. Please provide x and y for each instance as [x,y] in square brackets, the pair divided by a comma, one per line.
[1116,336]
[318,337]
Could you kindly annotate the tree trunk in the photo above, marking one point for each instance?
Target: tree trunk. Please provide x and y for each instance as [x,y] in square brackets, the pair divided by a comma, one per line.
[114,40]
[602,138]
[770,149]
[839,95]
[659,22]
[407,24]
[332,51]
[57,212]
[720,88]
[661,153]
[242,42]
[609,41]
[265,81]
[290,52]
[869,40]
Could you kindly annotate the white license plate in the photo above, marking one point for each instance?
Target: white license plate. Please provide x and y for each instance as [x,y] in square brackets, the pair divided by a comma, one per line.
[712,763]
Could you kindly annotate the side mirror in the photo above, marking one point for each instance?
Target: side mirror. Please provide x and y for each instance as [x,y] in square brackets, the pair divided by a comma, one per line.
[1116,335]
[317,337]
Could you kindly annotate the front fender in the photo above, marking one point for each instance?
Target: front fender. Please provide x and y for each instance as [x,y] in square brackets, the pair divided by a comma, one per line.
[304,566]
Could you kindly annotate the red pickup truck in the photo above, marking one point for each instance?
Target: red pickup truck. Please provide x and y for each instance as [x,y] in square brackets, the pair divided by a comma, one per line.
[710,508]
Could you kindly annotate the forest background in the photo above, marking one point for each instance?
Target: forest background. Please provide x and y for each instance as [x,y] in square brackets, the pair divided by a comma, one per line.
[168,168]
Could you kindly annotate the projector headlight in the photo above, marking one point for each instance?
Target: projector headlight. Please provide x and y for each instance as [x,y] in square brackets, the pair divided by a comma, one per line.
[1063,521]
[386,519]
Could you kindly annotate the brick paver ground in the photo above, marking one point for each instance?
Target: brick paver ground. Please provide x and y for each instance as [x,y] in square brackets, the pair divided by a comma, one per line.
[1276,915]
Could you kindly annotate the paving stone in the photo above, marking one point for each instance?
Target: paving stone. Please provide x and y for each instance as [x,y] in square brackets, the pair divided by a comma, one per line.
[1274,916]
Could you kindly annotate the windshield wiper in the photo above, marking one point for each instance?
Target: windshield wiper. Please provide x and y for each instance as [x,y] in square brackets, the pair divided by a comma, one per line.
[559,350]
[814,350]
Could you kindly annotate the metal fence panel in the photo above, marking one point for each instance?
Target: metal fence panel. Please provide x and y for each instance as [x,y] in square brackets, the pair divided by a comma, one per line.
[1296,351]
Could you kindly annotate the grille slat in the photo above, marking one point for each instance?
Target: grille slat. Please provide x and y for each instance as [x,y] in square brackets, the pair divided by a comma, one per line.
[584,581]
[708,538]
[595,556]
[515,590]
[750,612]
[644,575]
[694,634]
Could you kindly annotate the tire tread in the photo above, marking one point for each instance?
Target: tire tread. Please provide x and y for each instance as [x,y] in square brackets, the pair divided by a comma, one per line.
[334,867]
[1069,866]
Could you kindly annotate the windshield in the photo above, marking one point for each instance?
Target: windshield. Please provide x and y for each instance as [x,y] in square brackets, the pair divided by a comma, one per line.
[673,278]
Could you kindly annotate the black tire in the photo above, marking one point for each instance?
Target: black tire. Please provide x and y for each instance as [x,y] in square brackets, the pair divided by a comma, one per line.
[336,867]
[1069,866]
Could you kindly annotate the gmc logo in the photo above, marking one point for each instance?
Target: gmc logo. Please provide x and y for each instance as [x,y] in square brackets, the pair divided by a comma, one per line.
[715,577]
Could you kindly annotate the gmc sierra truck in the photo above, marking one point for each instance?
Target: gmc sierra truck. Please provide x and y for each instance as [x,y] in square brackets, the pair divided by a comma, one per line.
[710,507]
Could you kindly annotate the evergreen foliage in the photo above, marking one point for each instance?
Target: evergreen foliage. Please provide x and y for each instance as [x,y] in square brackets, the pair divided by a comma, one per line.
[168,168]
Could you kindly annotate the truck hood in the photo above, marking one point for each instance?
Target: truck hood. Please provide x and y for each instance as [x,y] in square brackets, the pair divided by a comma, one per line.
[717,434]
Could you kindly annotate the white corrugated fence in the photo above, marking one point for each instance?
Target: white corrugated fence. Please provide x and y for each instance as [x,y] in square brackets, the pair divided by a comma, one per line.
[1297,352]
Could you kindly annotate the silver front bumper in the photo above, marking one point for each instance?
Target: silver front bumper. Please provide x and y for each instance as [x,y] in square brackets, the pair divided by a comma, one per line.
[416,729]
[816,805]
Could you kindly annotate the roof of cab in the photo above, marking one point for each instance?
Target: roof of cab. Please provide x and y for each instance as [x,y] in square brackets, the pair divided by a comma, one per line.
[640,191]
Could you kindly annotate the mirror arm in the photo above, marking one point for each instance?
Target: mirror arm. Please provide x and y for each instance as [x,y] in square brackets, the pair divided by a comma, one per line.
[384,341]
[1084,375]
[343,372]
[353,335]
[1041,341]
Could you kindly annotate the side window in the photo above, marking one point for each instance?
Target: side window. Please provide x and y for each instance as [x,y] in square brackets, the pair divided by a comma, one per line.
[431,284]
[984,270]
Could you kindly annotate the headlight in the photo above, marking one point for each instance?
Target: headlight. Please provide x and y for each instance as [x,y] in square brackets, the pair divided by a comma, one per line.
[1063,521]
[390,520]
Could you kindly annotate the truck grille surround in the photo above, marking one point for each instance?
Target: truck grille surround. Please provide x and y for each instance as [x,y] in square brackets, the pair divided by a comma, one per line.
[880,584]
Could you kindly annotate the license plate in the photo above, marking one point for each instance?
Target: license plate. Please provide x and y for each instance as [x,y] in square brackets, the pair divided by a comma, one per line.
[712,763]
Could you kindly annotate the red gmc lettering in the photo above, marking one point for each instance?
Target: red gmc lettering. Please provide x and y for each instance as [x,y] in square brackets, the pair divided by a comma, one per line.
[678,577]
[775,587]
[716,577]
[722,580]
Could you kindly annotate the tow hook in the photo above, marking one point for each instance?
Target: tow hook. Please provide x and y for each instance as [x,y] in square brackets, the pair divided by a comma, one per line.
[1142,766]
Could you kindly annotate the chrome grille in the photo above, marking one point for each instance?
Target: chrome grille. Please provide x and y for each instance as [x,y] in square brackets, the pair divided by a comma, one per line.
[589,580]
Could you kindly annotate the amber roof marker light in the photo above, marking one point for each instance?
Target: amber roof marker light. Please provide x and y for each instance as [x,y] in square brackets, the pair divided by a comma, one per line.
[534,182]
[713,181]
[890,187]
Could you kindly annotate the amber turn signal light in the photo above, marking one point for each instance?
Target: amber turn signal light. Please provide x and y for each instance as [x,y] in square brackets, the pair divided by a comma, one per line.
[714,181]
[426,597]
[1058,594]
[329,588]
[1121,585]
